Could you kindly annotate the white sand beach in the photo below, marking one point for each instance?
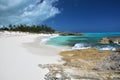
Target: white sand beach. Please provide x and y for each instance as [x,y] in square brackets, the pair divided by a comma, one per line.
[20,54]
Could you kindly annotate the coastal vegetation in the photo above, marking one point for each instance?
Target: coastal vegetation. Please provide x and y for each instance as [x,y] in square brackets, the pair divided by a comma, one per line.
[26,28]
[37,29]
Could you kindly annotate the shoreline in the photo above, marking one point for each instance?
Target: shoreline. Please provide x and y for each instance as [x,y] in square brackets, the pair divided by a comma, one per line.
[37,46]
[20,55]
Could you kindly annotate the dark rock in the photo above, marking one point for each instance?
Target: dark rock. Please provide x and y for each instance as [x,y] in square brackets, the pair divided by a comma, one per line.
[115,78]
[70,34]
[108,40]
[117,50]
[105,41]
[111,62]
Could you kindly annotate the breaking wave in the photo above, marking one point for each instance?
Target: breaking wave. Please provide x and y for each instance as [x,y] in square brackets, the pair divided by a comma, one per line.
[106,47]
[100,47]
[81,46]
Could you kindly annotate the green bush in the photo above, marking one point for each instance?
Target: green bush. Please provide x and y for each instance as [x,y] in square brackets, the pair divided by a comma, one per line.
[31,29]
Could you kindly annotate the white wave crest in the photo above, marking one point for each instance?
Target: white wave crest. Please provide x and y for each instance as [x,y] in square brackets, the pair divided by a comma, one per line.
[81,46]
[106,48]
[86,46]
[43,41]
[47,37]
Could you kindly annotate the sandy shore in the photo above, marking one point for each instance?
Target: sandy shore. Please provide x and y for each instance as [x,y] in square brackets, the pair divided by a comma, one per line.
[20,54]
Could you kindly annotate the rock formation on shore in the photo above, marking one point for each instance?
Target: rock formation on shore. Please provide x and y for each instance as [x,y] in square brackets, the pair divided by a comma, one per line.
[117,49]
[86,64]
[84,59]
[108,40]
[112,62]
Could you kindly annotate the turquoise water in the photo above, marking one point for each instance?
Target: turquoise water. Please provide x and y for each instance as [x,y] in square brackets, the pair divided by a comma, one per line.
[87,40]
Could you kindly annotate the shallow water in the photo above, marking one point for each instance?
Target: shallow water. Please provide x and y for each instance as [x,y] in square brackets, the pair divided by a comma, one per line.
[86,41]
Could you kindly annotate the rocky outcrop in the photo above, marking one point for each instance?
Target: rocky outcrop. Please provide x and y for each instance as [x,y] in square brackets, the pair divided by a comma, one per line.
[114,39]
[117,50]
[111,62]
[70,34]
[56,72]
[83,59]
[79,64]
[108,40]
[105,41]
[83,62]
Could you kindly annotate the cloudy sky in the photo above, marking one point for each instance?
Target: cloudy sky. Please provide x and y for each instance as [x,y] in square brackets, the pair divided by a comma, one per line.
[63,15]
[27,11]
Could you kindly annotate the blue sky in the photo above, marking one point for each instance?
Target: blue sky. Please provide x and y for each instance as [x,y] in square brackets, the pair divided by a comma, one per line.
[64,15]
[27,11]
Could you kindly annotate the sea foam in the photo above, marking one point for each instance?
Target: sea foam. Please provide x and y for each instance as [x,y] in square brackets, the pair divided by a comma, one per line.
[81,46]
[86,46]
[108,47]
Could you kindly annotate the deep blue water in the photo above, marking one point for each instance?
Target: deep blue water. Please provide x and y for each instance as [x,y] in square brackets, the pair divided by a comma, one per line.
[85,41]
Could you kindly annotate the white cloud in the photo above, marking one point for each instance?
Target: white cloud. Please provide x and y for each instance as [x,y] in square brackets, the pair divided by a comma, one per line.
[7,4]
[26,12]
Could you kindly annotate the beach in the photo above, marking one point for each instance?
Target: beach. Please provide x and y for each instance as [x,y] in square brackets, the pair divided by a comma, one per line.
[26,56]
[21,53]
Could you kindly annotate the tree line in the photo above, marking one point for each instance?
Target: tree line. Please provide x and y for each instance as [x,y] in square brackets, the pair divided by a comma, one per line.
[26,28]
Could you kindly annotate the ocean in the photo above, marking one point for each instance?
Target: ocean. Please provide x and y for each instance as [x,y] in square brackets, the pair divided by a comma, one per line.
[88,40]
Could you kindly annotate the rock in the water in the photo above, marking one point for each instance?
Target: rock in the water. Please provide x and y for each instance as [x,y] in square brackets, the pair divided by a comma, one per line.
[105,41]
[70,34]
[108,40]
[117,50]
[115,39]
